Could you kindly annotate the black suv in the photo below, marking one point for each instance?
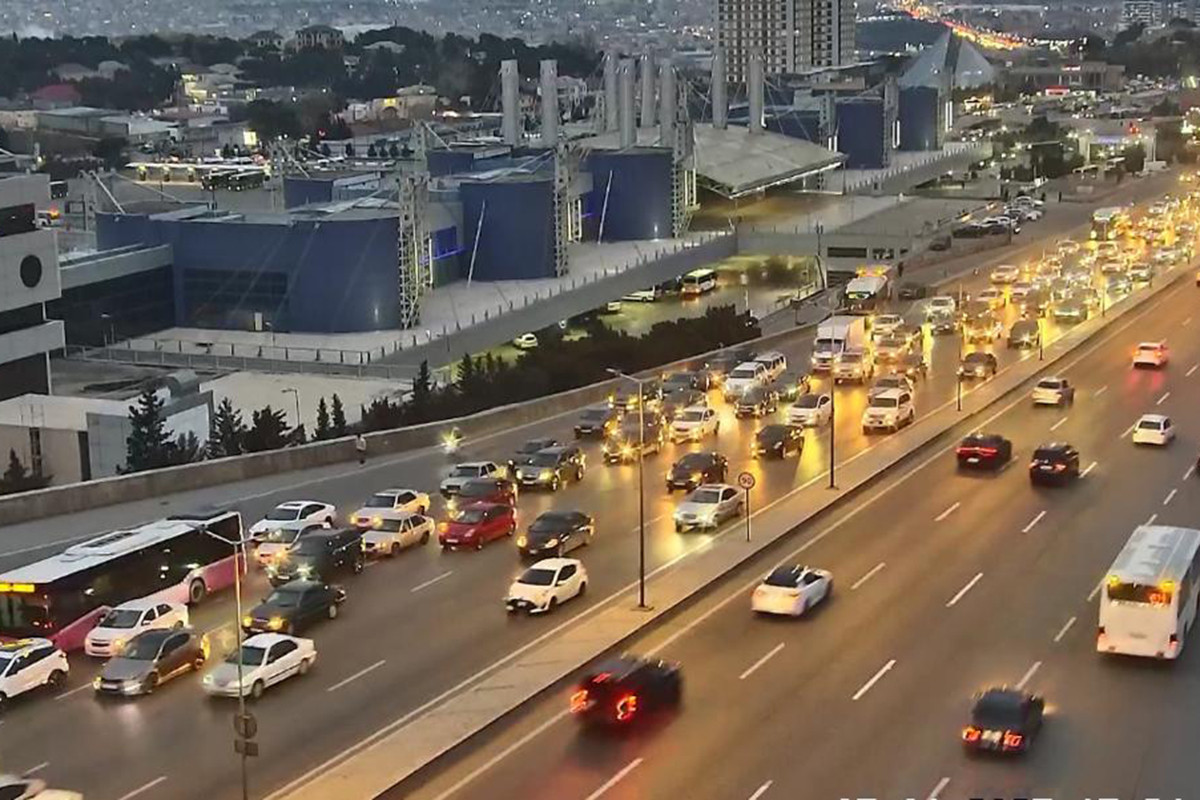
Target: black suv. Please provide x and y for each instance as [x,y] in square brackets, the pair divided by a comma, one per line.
[319,556]
[293,606]
[686,379]
[776,441]
[554,533]
[1054,463]
[619,691]
[979,364]
[597,422]
[529,448]
[696,468]
[1004,721]
[623,446]
[756,403]
[551,468]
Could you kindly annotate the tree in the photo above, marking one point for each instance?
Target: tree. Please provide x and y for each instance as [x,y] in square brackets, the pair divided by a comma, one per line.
[422,393]
[186,449]
[371,151]
[227,432]
[148,446]
[1129,35]
[1135,159]
[338,417]
[322,431]
[16,473]
[271,120]
[111,151]
[268,430]
[393,151]
[349,149]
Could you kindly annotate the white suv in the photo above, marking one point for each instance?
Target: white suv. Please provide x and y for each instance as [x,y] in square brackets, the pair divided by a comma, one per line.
[1053,392]
[694,423]
[27,664]
[465,472]
[1150,354]
[744,377]
[1005,273]
[889,410]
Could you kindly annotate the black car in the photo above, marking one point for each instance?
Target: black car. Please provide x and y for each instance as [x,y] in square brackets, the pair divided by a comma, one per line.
[940,243]
[1024,333]
[627,399]
[911,364]
[319,556]
[676,401]
[979,364]
[624,444]
[1054,463]
[597,422]
[554,533]
[529,448]
[686,379]
[792,384]
[552,467]
[943,323]
[910,290]
[1004,721]
[294,606]
[619,691]
[984,451]
[719,367]
[776,441]
[756,403]
[696,468]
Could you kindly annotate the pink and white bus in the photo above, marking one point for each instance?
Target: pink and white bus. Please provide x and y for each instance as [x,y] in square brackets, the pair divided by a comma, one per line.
[62,597]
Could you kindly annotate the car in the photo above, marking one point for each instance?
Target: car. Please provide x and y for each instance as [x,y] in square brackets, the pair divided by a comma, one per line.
[1027,201]
[884,324]
[1117,285]
[1004,274]
[626,400]
[1071,310]
[943,323]
[891,348]
[676,401]
[618,691]
[545,585]
[978,364]
[549,469]
[1067,247]
[886,382]
[1018,291]
[296,513]
[319,556]
[395,531]
[149,660]
[811,411]
[911,366]
[708,506]
[632,439]
[694,379]
[476,524]
[526,341]
[1113,266]
[693,424]
[597,422]
[694,469]
[746,376]
[972,230]
[411,501]
[941,304]
[13,787]
[643,295]
[776,441]
[1004,720]
[1141,272]
[940,243]
[1053,391]
[121,623]
[276,544]
[1154,429]
[791,590]
[853,365]
[994,298]
[889,410]
[1107,250]
[486,490]
[1034,304]
[718,369]
[293,606]
[1054,463]
[266,659]
[556,533]
[910,290]
[1024,333]
[792,384]
[756,403]
[983,328]
[983,451]
[1166,256]
[1151,354]
[528,448]
[461,473]
[28,664]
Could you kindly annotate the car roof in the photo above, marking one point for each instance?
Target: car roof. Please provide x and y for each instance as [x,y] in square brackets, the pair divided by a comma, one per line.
[775,427]
[977,354]
[556,450]
[1159,343]
[1153,418]
[268,639]
[1001,695]
[893,393]
[140,604]
[299,584]
[983,436]
[18,646]
[297,504]
[555,563]
[1053,447]
[396,491]
[714,486]
[158,634]
[472,464]
[617,667]
[393,513]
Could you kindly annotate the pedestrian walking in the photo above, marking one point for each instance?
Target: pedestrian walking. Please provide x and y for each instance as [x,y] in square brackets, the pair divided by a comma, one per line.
[360,445]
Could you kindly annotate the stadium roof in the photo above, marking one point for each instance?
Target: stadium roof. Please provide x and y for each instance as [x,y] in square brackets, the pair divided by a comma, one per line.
[950,62]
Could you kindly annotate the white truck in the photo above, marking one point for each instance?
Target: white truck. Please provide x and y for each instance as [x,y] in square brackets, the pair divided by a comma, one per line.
[835,335]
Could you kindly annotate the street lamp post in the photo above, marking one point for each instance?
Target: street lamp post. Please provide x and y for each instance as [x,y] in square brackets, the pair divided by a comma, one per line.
[295,393]
[641,485]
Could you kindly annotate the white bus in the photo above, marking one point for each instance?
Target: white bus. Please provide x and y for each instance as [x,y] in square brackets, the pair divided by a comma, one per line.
[1148,603]
[698,282]
[1109,223]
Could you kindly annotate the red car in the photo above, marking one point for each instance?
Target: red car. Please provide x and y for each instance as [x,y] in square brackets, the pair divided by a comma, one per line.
[477,524]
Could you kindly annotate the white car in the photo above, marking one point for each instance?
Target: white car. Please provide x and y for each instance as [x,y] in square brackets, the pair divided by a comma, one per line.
[465,472]
[1005,273]
[1153,429]
[13,787]
[1053,391]
[853,365]
[1151,354]
[941,304]
[885,324]
[887,382]
[526,341]
[694,423]
[129,619]
[1020,290]
[546,584]
[889,410]
[394,531]
[791,589]
[1107,250]
[1067,247]
[811,411]
[293,512]
[280,541]
[408,500]
[993,297]
[708,506]
[267,659]
[27,664]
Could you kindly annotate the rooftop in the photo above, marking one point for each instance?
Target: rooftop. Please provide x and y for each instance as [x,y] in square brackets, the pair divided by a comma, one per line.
[58,412]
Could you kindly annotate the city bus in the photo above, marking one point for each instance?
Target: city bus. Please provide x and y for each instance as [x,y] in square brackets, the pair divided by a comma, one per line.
[698,282]
[62,597]
[1109,223]
[217,179]
[1148,602]
[247,179]
[868,290]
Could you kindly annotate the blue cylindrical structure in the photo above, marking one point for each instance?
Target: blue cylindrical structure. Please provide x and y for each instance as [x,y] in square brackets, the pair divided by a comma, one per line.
[637,185]
[862,132]
[919,110]
[515,239]
[449,162]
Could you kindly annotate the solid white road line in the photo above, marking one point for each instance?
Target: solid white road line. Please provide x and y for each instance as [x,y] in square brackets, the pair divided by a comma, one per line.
[866,687]
[144,788]
[1170,496]
[1188,374]
[1189,472]
[1100,391]
[937,790]
[870,574]
[954,600]
[1128,430]
[357,675]
[760,791]
[1058,424]
[1033,522]
[615,779]
[431,581]
[750,670]
[70,692]
[37,768]
[503,754]
[1063,630]
[1150,521]
[1028,676]
[947,512]
[1163,399]
[1088,469]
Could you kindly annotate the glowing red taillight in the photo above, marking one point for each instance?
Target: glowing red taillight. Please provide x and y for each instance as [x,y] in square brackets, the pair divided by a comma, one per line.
[579,701]
[1012,741]
[970,734]
[626,707]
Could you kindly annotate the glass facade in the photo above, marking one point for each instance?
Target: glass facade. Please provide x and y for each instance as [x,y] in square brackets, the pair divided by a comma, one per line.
[120,308]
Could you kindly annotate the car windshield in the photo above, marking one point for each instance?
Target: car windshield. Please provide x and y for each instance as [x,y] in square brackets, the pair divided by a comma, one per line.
[121,618]
[694,461]
[595,414]
[885,402]
[1149,348]
[976,358]
[463,471]
[1047,384]
[468,516]
[313,546]
[1150,425]
[743,374]
[281,514]
[808,401]
[380,501]
[251,656]
[283,535]
[1049,455]
[543,460]
[997,712]
[706,496]
[549,523]
[537,577]
[5,660]
[888,383]
[1126,592]
[142,648]
[691,416]
[283,598]
[784,577]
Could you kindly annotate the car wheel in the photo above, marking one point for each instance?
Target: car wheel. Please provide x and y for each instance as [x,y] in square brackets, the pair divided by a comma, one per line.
[578,474]
[678,528]
[394,550]
[198,663]
[333,611]
[582,589]
[256,691]
[196,591]
[328,522]
[479,543]
[57,677]
[151,683]
[178,625]
[425,538]
[553,604]
[305,665]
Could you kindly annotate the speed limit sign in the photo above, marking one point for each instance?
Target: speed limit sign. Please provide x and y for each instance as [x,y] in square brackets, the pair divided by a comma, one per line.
[746,481]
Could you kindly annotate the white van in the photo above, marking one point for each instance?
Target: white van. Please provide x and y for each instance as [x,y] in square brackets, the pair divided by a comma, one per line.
[745,376]
[775,362]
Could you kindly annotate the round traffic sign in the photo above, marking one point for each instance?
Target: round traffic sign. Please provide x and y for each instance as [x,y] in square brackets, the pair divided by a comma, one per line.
[746,481]
[245,725]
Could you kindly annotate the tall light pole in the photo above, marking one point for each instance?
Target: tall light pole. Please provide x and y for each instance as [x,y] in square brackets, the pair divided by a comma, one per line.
[833,413]
[641,484]
[295,394]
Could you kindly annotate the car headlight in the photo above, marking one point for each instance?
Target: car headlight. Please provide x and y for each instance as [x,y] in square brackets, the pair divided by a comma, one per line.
[208,680]
[275,623]
[247,622]
[304,571]
[552,542]
[545,475]
[118,645]
[627,450]
[96,682]
[522,541]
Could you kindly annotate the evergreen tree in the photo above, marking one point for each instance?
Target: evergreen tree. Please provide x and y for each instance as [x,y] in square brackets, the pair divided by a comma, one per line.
[148,446]
[268,430]
[394,151]
[466,374]
[16,473]
[227,432]
[371,151]
[349,149]
[186,449]
[322,431]
[338,417]
[422,395]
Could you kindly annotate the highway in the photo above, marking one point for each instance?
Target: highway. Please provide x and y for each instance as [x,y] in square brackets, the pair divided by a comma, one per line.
[416,628]
[946,584]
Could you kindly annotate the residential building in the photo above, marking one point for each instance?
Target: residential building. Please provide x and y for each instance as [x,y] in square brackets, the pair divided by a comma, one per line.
[265,40]
[321,36]
[791,35]
[1145,12]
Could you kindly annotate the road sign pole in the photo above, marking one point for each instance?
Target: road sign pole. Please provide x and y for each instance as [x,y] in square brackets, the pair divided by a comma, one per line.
[746,480]
[747,515]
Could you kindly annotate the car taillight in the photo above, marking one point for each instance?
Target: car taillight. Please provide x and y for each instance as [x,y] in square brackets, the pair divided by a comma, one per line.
[1012,740]
[579,701]
[626,707]
[970,734]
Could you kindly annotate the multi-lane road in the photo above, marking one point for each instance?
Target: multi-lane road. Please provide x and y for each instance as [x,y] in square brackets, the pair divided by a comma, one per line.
[416,628]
